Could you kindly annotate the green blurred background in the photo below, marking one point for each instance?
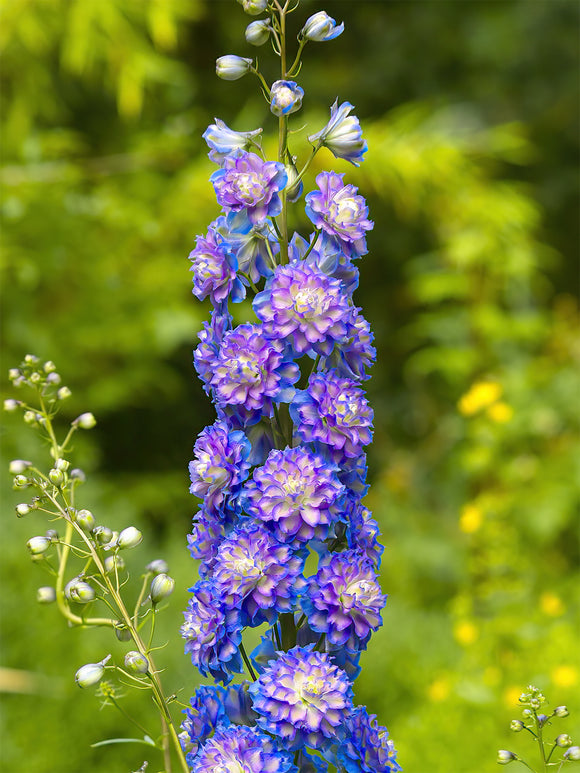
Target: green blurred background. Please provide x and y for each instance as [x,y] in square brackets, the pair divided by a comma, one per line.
[470,109]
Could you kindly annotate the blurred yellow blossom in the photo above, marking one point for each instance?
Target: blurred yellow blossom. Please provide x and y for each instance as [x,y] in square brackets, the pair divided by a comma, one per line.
[439,689]
[480,395]
[465,632]
[564,676]
[511,696]
[551,604]
[501,412]
[470,519]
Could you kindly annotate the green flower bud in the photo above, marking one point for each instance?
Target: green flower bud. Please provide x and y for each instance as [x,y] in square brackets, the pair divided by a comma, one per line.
[46,595]
[38,545]
[527,714]
[114,561]
[35,378]
[129,538]
[121,631]
[161,587]
[231,67]
[258,32]
[22,509]
[30,417]
[18,466]
[78,475]
[103,534]
[504,757]
[63,393]
[53,378]
[561,711]
[14,373]
[85,421]
[62,465]
[79,591]
[573,753]
[136,662]
[49,366]
[91,674]
[516,725]
[85,519]
[254,7]
[11,405]
[21,481]
[535,703]
[564,741]
[31,359]
[159,566]
[57,477]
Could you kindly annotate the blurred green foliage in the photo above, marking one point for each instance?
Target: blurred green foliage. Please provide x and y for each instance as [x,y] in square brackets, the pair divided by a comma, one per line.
[470,111]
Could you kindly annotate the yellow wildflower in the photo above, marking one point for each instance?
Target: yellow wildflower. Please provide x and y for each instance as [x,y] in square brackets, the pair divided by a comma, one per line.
[470,519]
[465,632]
[439,690]
[480,395]
[551,604]
[511,696]
[501,412]
[564,676]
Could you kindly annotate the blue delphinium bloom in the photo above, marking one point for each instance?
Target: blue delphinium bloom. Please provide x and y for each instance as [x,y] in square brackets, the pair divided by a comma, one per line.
[220,465]
[328,255]
[333,411]
[212,634]
[257,574]
[205,538]
[302,698]
[248,189]
[338,210]
[351,358]
[344,601]
[342,135]
[363,533]
[321,27]
[285,97]
[243,750]
[252,249]
[214,268]
[297,493]
[367,747]
[253,371]
[222,140]
[206,712]
[301,303]
[210,338]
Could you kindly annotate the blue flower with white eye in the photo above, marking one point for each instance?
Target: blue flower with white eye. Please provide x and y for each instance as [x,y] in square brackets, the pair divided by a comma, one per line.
[285,97]
[342,135]
[214,268]
[222,140]
[321,27]
[241,749]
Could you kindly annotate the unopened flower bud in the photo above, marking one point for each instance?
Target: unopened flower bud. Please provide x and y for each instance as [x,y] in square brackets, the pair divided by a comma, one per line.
[62,465]
[35,378]
[49,366]
[78,475]
[79,591]
[535,703]
[53,378]
[18,466]
[21,481]
[573,753]
[38,545]
[63,393]
[122,632]
[91,674]
[320,27]
[258,32]
[542,719]
[22,509]
[103,534]
[504,757]
[85,421]
[564,741]
[57,477]
[516,725]
[161,587]
[159,566]
[114,561]
[231,67]
[285,97]
[85,519]
[129,538]
[11,405]
[254,7]
[31,359]
[527,713]
[29,417]
[136,662]
[561,711]
[14,373]
[46,595]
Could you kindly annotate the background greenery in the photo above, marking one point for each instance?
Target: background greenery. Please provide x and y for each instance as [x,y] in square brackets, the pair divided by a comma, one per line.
[470,110]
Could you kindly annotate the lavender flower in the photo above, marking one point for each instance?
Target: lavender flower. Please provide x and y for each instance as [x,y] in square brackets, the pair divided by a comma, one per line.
[297,492]
[220,465]
[215,270]
[367,747]
[363,534]
[222,140]
[212,634]
[285,97]
[243,749]
[344,601]
[206,712]
[328,255]
[253,371]
[256,574]
[302,303]
[249,186]
[338,210]
[252,249]
[210,338]
[342,135]
[205,538]
[303,699]
[352,357]
[333,411]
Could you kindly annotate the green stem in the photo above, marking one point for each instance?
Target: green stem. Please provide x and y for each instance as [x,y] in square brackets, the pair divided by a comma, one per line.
[247,662]
[288,631]
[140,599]
[126,714]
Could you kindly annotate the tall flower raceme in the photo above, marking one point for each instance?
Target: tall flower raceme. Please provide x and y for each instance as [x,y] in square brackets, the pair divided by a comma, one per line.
[281,474]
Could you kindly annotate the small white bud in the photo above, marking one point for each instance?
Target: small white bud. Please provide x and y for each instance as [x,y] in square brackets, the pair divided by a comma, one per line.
[114,561]
[79,591]
[63,393]
[62,465]
[78,475]
[573,753]
[49,366]
[161,587]
[231,67]
[14,373]
[91,673]
[30,359]
[46,595]
[18,466]
[53,378]
[563,741]
[103,534]
[122,632]
[159,566]
[85,421]
[38,545]
[504,757]
[35,378]
[85,519]
[129,538]
[561,711]
[21,481]
[22,509]
[30,417]
[136,662]
[258,32]
[57,477]
[11,405]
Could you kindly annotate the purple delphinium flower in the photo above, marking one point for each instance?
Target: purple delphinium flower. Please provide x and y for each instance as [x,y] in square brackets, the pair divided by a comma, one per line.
[338,210]
[249,186]
[344,601]
[297,492]
[222,140]
[333,411]
[302,698]
[303,304]
[205,538]
[257,574]
[206,712]
[253,371]
[367,747]
[363,533]
[215,270]
[220,465]
[285,97]
[210,338]
[327,255]
[342,135]
[352,357]
[241,749]
[212,634]
[252,249]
